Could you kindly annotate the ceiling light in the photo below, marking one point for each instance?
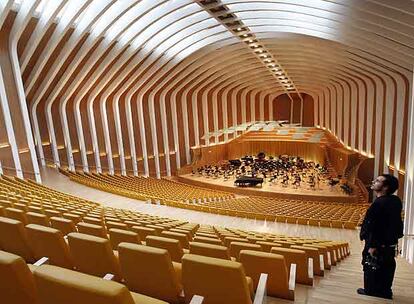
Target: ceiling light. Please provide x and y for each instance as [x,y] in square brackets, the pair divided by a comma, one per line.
[245,35]
[239,29]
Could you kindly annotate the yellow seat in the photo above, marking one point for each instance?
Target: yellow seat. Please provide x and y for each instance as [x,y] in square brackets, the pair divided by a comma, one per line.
[267,246]
[217,280]
[111,224]
[143,232]
[93,220]
[150,271]
[6,203]
[51,213]
[49,242]
[274,265]
[36,218]
[304,265]
[236,247]
[318,265]
[228,239]
[16,281]
[184,241]
[285,244]
[173,246]
[93,255]
[16,214]
[324,251]
[208,240]
[206,234]
[117,236]
[63,225]
[58,285]
[13,239]
[210,250]
[75,218]
[187,232]
[92,229]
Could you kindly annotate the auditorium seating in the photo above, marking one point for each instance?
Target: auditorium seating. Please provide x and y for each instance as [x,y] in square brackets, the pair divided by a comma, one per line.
[59,285]
[147,188]
[175,194]
[150,271]
[214,278]
[17,285]
[94,255]
[280,281]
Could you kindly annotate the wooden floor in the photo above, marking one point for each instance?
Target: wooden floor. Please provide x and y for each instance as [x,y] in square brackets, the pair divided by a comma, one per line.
[339,284]
[323,192]
[304,189]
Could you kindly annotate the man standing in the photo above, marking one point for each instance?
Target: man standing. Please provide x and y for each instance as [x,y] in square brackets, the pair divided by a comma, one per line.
[381,229]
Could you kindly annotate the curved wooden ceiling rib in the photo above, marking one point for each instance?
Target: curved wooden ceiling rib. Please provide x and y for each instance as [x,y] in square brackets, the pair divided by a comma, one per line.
[124,75]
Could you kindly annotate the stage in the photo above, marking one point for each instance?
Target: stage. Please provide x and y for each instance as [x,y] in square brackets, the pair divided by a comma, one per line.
[324,193]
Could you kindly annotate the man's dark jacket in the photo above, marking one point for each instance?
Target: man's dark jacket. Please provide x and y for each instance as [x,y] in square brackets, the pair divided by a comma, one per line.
[382,225]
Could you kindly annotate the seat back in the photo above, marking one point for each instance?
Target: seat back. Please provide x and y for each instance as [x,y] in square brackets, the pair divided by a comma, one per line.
[13,239]
[236,247]
[217,280]
[171,245]
[149,271]
[111,224]
[63,286]
[16,281]
[229,239]
[37,218]
[208,240]
[92,229]
[274,265]
[93,255]
[17,214]
[64,225]
[267,246]
[298,257]
[143,232]
[318,268]
[49,242]
[117,236]
[177,236]
[210,250]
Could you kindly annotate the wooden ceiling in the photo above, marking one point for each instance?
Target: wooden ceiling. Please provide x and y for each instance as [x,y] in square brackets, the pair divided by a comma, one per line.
[131,85]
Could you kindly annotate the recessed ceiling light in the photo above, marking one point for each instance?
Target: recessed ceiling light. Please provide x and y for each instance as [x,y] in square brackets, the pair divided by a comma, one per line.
[239,29]
[245,35]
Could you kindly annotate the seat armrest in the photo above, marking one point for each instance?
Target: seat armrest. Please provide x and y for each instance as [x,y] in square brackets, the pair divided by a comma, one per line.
[261,291]
[108,277]
[44,260]
[197,299]
[321,263]
[292,277]
[310,268]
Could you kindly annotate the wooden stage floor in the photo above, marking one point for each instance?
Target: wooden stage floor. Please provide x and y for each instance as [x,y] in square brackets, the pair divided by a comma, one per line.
[323,193]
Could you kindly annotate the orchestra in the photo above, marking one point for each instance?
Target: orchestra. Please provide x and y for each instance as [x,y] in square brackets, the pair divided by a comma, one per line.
[283,170]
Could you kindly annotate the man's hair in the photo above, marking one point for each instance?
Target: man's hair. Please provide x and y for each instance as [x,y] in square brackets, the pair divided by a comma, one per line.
[391,182]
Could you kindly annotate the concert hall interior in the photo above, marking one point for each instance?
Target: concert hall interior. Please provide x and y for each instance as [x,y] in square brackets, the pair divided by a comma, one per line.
[200,151]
